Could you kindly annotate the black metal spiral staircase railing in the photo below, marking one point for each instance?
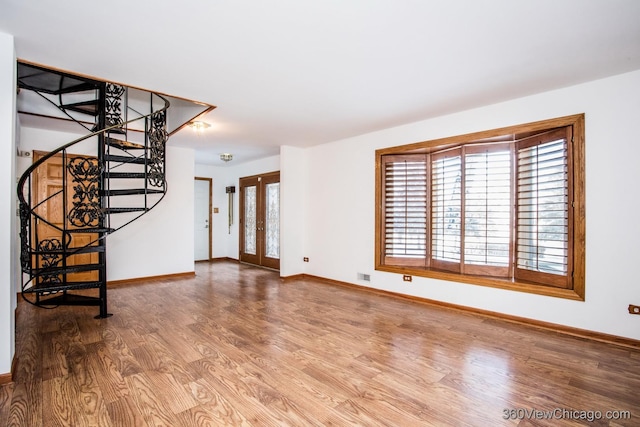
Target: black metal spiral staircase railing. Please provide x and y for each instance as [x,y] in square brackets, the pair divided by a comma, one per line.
[104,181]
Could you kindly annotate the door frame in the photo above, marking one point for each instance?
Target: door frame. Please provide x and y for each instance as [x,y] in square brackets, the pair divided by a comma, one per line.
[210,181]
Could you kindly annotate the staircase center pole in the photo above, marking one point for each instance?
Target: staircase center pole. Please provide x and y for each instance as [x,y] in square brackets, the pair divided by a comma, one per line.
[104,201]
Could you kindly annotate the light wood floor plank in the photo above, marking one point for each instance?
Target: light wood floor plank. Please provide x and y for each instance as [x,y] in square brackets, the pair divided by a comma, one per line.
[109,379]
[150,402]
[6,394]
[122,356]
[26,404]
[60,397]
[125,412]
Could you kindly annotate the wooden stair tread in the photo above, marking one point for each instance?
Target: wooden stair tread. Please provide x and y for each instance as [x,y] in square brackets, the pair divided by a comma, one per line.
[124,210]
[125,159]
[78,268]
[130,191]
[70,251]
[90,107]
[126,175]
[65,286]
[91,230]
[124,145]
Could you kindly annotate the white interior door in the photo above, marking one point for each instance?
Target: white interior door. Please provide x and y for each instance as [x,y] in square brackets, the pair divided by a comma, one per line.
[202,219]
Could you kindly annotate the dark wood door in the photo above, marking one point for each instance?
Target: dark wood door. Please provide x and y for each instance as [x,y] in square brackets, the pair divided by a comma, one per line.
[260,220]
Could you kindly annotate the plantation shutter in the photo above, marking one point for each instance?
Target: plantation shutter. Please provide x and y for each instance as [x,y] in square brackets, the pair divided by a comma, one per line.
[487,210]
[543,213]
[405,209]
[446,209]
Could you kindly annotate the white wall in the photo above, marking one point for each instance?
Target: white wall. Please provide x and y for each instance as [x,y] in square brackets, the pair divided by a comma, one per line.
[226,244]
[294,198]
[8,210]
[160,242]
[43,140]
[339,209]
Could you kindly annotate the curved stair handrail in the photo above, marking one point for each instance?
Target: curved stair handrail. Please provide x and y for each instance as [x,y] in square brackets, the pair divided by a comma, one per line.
[27,173]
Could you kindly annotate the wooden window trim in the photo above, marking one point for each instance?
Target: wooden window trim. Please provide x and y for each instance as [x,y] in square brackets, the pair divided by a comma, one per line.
[576,155]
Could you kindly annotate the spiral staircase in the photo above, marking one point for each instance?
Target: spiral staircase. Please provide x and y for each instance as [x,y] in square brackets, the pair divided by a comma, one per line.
[100,183]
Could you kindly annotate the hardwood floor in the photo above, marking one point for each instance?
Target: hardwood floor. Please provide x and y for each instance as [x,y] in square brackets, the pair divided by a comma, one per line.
[237,346]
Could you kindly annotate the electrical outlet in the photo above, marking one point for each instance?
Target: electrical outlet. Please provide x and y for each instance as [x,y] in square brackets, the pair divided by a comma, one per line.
[305,259]
[634,309]
[407,278]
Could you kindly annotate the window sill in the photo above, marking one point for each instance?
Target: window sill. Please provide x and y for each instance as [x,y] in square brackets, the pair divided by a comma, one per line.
[491,282]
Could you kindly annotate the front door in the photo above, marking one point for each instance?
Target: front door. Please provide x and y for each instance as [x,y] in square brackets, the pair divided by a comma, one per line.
[47,187]
[260,220]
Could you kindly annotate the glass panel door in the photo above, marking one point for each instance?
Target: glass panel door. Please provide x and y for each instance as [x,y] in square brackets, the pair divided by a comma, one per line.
[272,224]
[270,227]
[250,220]
[260,220]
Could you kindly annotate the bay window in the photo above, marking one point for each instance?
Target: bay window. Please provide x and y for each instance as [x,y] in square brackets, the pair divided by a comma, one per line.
[501,208]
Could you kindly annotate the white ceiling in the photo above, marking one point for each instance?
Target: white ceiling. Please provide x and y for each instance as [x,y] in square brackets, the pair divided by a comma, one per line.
[303,72]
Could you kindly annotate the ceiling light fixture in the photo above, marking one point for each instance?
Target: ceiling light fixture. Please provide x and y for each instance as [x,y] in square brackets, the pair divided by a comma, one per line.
[226,157]
[199,126]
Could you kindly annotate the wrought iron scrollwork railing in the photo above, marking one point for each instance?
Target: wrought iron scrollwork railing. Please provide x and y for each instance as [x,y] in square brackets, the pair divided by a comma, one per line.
[157,141]
[114,105]
[86,211]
